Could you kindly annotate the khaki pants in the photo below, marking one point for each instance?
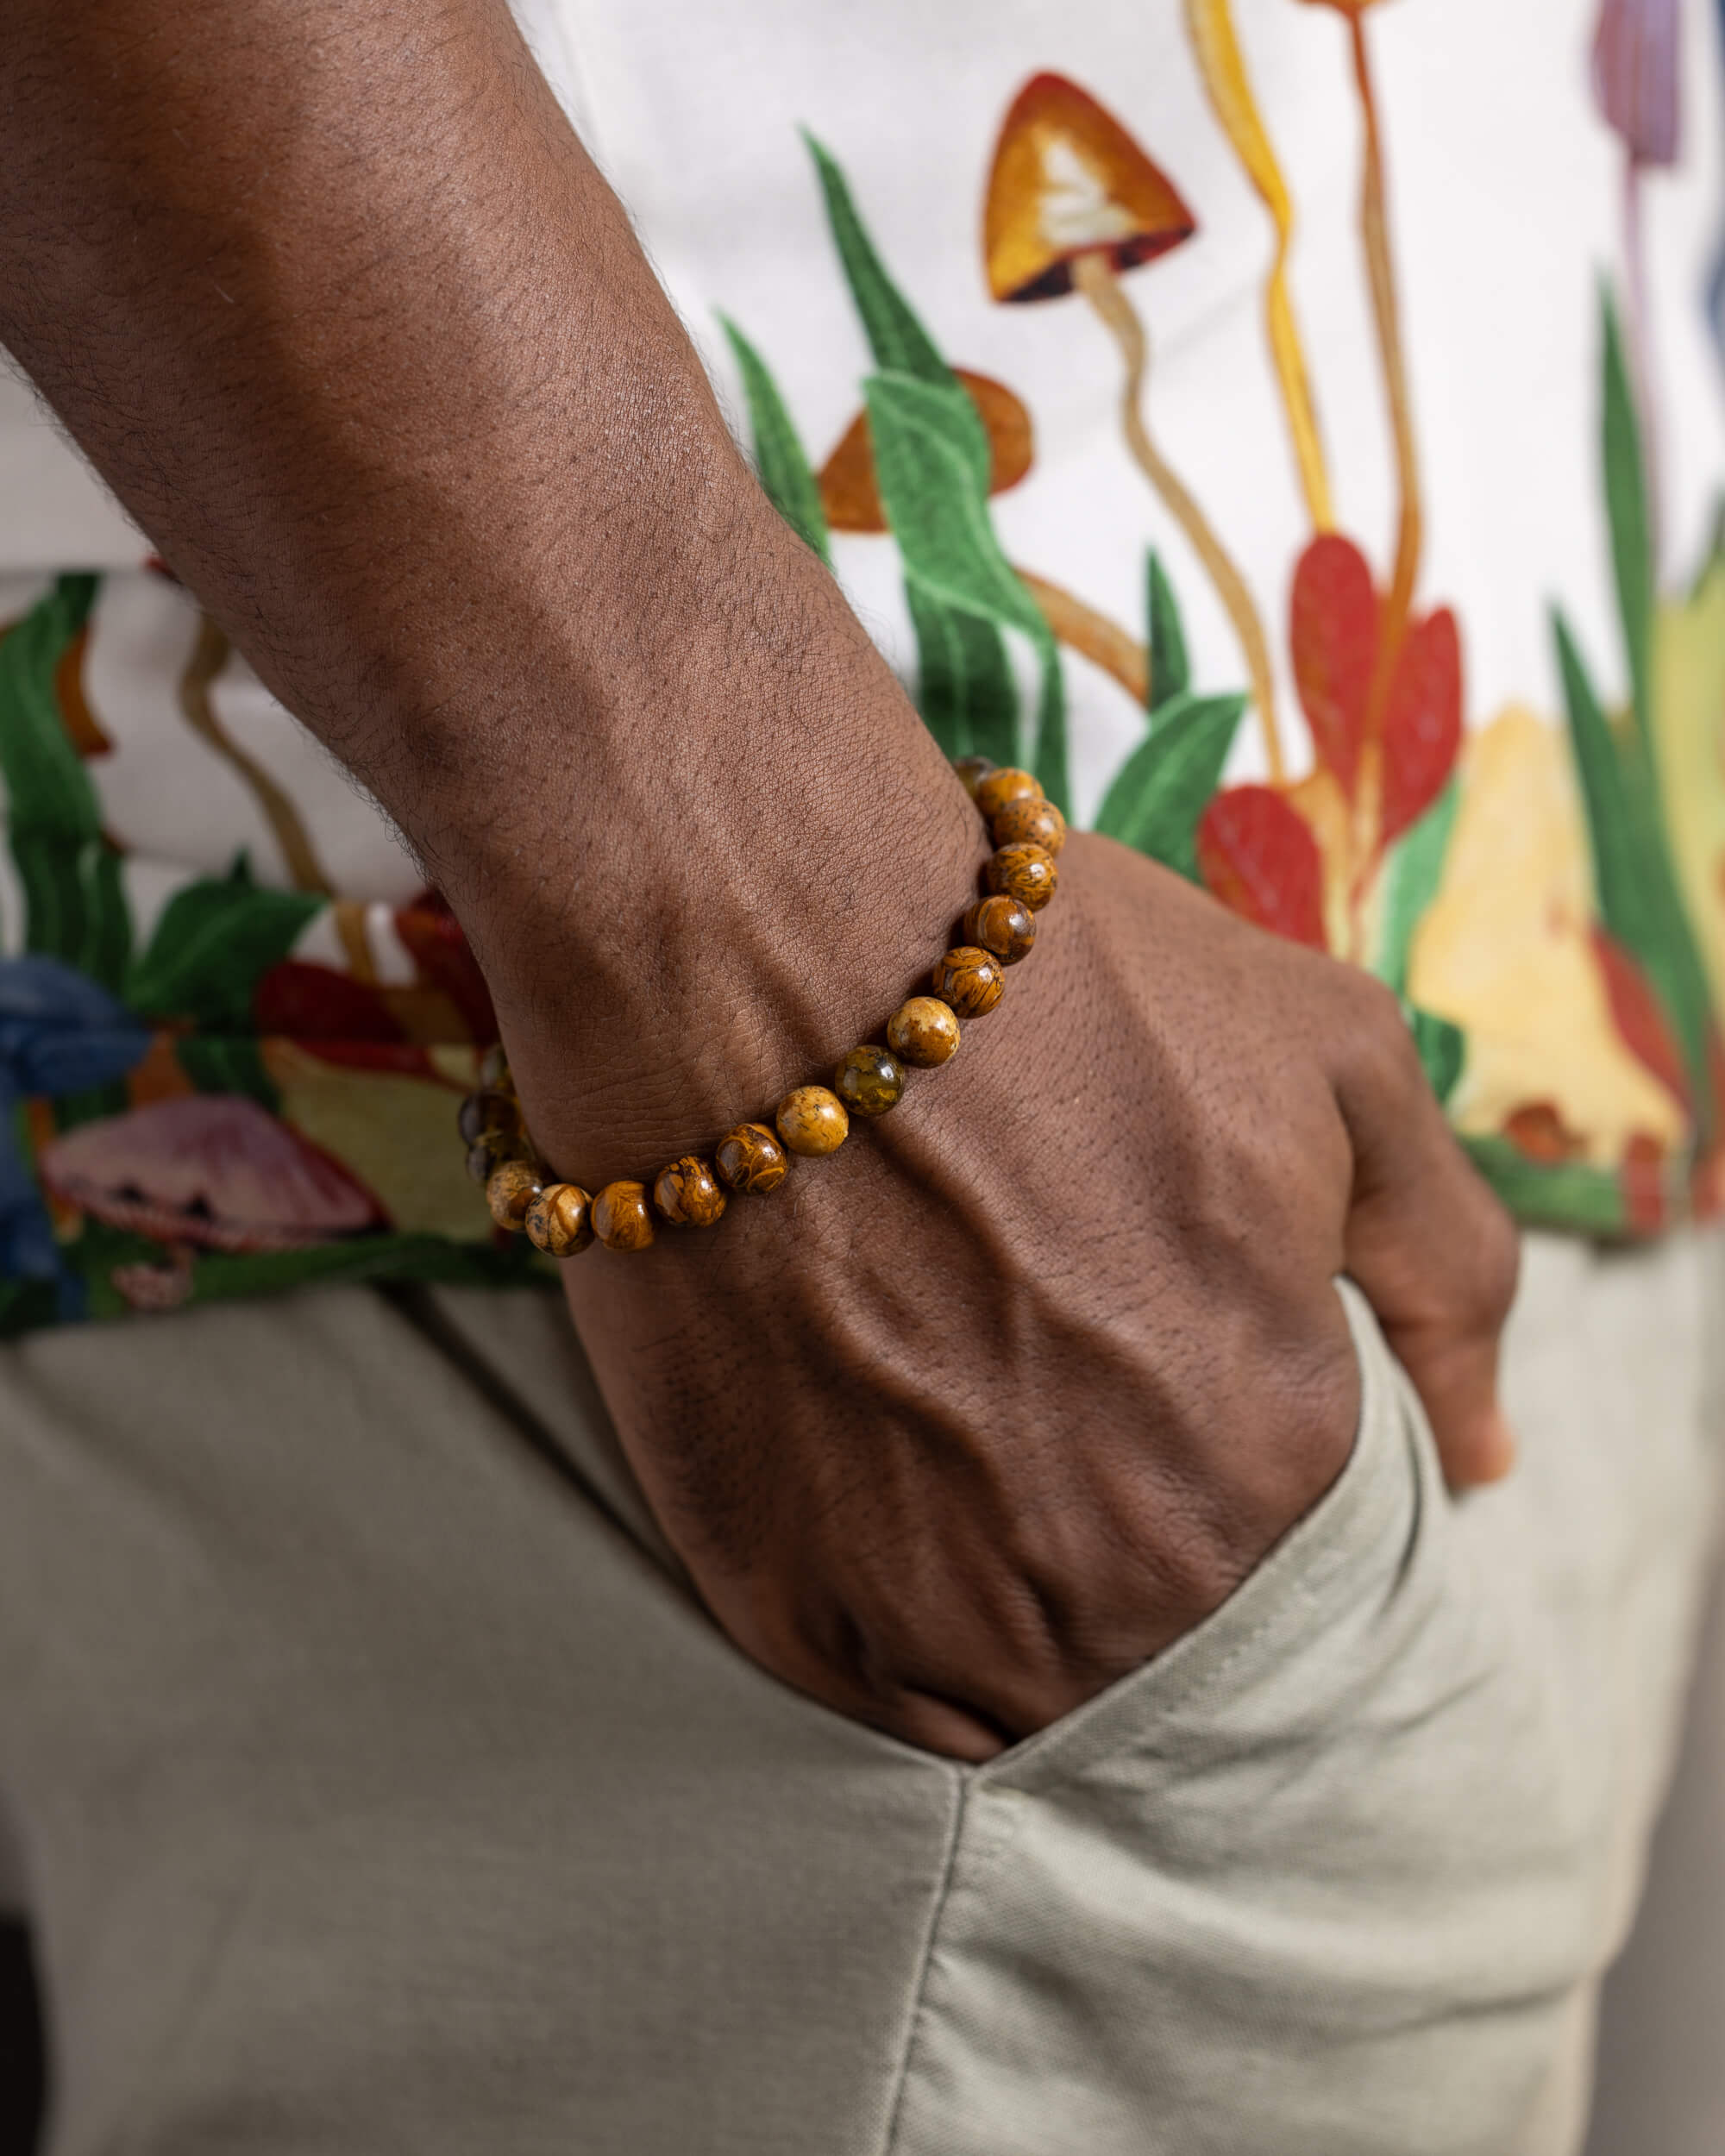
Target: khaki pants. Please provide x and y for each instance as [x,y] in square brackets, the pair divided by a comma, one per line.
[375,1784]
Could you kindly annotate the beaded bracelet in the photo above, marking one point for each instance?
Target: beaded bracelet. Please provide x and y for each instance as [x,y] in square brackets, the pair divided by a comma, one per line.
[561,1219]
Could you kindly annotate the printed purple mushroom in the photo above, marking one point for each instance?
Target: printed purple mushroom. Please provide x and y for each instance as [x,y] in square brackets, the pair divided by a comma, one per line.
[1073,204]
[202,1171]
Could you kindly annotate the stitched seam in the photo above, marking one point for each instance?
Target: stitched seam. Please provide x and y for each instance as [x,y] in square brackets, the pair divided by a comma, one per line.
[914,2012]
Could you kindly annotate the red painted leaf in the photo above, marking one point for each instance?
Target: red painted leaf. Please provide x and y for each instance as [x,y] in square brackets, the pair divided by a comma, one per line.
[1637,1014]
[1421,722]
[433,935]
[1333,632]
[1257,855]
[309,1002]
[1642,1180]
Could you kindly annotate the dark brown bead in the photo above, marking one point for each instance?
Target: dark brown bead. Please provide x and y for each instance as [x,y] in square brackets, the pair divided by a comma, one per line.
[922,1032]
[559,1220]
[972,770]
[481,1161]
[621,1217]
[494,1070]
[1023,872]
[869,1080]
[751,1159]
[1039,822]
[687,1193]
[1006,785]
[969,979]
[1005,926]
[512,1188]
[812,1120]
[483,1115]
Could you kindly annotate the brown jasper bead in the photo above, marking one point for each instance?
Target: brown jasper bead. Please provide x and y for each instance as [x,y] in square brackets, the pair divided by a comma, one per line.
[559,1220]
[811,1121]
[1039,822]
[512,1188]
[922,1032]
[1005,926]
[620,1217]
[1006,785]
[970,980]
[483,1115]
[1023,872]
[750,1158]
[972,770]
[687,1193]
[869,1080]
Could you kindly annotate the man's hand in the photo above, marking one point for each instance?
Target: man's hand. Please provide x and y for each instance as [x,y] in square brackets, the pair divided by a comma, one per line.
[980,1413]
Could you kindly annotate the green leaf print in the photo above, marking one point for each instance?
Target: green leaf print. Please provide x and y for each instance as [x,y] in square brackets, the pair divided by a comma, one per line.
[965,689]
[1170,673]
[1414,869]
[74,905]
[1162,789]
[1626,505]
[780,464]
[897,339]
[1443,1049]
[932,467]
[1566,1194]
[1633,882]
[214,942]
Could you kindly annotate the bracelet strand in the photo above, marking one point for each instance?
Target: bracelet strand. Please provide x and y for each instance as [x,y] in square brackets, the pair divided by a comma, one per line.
[561,1219]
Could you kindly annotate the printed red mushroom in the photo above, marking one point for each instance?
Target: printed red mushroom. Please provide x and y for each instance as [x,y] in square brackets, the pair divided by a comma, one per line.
[848,490]
[213,1171]
[1073,204]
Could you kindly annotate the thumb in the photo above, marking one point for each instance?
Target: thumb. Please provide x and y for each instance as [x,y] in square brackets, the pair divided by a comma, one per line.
[1431,1249]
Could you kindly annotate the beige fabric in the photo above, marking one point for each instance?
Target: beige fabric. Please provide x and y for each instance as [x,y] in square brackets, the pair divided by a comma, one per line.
[376,1787]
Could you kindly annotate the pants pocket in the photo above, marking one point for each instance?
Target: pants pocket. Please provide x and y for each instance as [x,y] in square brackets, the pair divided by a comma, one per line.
[1304,1883]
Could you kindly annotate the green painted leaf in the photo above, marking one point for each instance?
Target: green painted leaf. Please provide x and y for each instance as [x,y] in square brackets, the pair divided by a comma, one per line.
[932,467]
[1170,672]
[228,1062]
[74,905]
[1626,504]
[1442,1046]
[965,689]
[1566,1194]
[1634,880]
[896,338]
[785,475]
[1163,789]
[215,940]
[1414,870]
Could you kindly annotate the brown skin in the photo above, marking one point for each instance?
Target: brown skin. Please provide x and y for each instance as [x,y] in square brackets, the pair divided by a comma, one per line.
[967,1420]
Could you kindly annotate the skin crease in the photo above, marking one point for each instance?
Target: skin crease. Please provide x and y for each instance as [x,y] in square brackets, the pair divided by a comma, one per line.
[965,1421]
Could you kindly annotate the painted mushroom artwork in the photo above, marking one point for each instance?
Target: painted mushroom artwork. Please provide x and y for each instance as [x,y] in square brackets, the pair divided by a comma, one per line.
[202,1171]
[1072,204]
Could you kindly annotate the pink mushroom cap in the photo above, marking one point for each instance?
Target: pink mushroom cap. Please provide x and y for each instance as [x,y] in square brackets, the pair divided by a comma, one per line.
[214,1169]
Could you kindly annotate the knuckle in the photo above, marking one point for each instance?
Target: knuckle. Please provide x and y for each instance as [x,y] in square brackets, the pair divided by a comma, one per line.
[1379,1041]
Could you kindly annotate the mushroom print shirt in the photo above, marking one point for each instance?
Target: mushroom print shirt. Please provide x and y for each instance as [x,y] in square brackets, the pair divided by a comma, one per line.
[1293,427]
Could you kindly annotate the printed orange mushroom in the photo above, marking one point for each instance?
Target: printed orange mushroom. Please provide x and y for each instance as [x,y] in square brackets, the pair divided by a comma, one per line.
[849,493]
[1072,204]
[202,1171]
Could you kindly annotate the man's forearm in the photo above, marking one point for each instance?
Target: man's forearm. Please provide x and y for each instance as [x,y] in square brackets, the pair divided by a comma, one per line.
[333,297]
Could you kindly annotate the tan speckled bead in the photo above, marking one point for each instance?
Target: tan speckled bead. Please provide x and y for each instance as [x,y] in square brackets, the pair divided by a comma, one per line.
[512,1188]
[687,1193]
[750,1158]
[869,1080]
[483,1115]
[559,1220]
[922,1032]
[812,1120]
[1039,822]
[1008,784]
[621,1217]
[1023,872]
[1005,926]
[969,979]
[972,770]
